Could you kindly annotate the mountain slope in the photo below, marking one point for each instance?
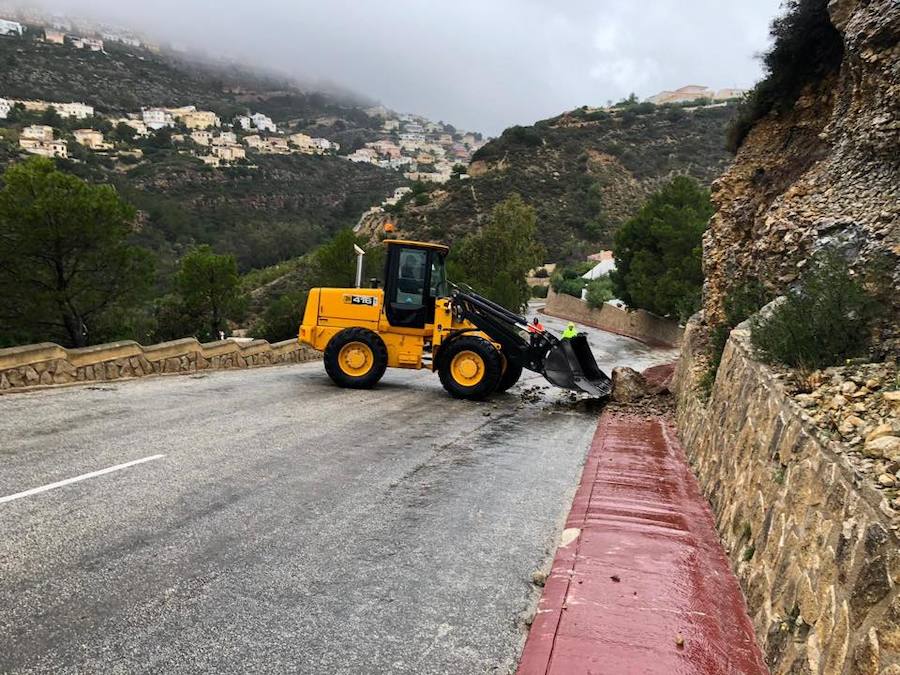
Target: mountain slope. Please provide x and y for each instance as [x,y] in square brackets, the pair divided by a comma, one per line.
[277,209]
[584,172]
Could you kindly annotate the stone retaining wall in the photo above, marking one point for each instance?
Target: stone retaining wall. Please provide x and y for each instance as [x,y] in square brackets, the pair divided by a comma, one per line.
[812,544]
[48,364]
[636,324]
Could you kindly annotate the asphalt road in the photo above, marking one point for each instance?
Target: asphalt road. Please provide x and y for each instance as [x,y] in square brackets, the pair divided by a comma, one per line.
[289,525]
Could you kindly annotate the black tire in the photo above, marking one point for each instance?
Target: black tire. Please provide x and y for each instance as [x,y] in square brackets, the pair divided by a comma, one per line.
[510,376]
[364,380]
[491,362]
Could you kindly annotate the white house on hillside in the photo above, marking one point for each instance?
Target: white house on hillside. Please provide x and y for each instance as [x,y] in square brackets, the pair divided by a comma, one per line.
[156,118]
[38,132]
[263,122]
[225,138]
[5,106]
[10,27]
[79,111]
[91,138]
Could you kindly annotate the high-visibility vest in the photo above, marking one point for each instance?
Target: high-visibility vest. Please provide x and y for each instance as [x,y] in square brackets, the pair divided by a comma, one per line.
[569,333]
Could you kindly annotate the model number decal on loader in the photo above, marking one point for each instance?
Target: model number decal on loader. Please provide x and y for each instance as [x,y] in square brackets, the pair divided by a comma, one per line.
[369,300]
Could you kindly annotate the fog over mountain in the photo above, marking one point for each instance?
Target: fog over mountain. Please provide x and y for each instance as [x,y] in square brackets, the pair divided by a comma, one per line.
[479,64]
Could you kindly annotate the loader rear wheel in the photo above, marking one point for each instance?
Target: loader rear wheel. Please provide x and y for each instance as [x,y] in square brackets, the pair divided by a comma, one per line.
[355,358]
[510,376]
[470,368]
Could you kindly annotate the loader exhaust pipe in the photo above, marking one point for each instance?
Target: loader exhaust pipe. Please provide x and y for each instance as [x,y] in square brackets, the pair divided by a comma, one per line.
[359,265]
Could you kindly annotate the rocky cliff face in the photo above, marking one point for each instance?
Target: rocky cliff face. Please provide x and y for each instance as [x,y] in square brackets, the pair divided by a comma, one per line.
[827,173]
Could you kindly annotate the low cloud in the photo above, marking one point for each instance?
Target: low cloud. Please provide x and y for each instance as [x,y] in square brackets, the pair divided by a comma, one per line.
[481,65]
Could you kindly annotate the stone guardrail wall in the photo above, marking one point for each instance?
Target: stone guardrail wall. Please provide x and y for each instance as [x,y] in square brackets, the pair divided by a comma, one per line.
[811,544]
[636,324]
[49,364]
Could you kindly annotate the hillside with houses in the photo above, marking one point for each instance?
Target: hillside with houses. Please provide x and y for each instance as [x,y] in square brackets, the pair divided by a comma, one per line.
[209,152]
[585,171]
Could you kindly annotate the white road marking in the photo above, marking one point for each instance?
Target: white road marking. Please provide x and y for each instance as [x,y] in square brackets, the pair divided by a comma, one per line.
[84,476]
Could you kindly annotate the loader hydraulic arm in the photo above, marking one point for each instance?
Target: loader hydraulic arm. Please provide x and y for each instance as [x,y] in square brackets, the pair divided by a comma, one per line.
[566,363]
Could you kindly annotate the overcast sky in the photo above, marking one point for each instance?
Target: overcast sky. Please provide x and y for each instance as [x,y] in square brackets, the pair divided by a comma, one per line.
[479,64]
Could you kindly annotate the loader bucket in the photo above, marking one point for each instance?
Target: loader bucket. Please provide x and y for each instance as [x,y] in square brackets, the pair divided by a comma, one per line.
[570,364]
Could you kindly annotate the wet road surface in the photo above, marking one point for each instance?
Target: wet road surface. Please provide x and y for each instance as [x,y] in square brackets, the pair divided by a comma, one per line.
[278,523]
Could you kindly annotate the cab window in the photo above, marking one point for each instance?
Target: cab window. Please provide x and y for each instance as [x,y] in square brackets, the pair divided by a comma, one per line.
[411,280]
[438,277]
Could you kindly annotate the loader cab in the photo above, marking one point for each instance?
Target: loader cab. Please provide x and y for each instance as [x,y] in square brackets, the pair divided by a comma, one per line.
[415,276]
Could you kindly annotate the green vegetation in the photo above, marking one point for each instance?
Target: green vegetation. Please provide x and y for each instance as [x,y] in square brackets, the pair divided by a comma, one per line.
[806,49]
[66,271]
[281,318]
[209,288]
[495,260]
[599,291]
[822,322]
[333,264]
[570,279]
[658,251]
[538,291]
[583,176]
[280,210]
[271,209]
[742,301]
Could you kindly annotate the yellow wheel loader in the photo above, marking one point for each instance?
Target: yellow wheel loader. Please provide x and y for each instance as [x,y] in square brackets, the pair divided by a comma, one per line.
[420,320]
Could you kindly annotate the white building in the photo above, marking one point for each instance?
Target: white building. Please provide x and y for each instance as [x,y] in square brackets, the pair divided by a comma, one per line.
[229,153]
[302,141]
[138,125]
[91,138]
[245,122]
[225,138]
[364,155]
[606,263]
[198,119]
[263,122]
[38,132]
[201,137]
[398,162]
[10,27]
[5,106]
[156,118]
[79,111]
[124,39]
[44,148]
[255,142]
[91,44]
[324,145]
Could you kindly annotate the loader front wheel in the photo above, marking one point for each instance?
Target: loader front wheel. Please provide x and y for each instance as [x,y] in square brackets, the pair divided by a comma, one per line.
[470,368]
[355,358]
[510,376]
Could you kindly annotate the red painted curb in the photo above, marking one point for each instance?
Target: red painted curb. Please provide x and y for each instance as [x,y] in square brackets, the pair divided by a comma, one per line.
[645,587]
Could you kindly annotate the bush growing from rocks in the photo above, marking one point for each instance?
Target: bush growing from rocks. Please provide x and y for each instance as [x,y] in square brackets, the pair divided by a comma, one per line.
[806,49]
[742,302]
[824,321]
